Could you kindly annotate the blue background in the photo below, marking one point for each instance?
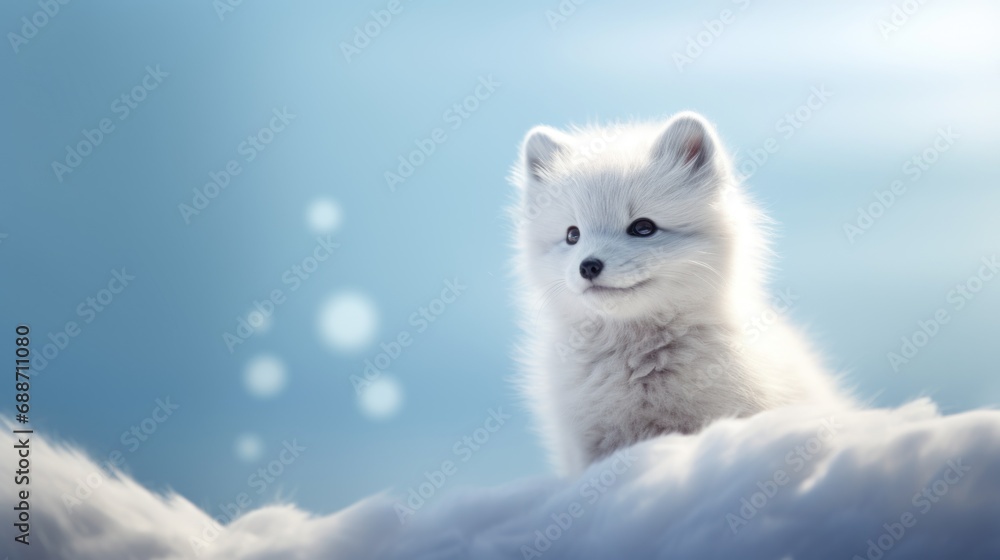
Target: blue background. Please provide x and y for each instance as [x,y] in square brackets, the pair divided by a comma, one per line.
[162,336]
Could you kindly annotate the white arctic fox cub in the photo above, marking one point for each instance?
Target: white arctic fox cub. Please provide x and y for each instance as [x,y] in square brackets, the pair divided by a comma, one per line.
[643,265]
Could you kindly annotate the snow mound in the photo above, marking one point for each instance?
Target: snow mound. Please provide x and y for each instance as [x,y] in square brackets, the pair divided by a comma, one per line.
[789,483]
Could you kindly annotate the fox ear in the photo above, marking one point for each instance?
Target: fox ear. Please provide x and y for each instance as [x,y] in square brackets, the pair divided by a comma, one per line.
[541,146]
[687,139]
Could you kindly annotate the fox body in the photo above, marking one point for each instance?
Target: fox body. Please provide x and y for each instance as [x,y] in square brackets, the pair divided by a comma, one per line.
[642,262]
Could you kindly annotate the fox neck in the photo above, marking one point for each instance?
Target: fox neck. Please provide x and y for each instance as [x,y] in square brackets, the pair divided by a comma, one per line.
[663,341]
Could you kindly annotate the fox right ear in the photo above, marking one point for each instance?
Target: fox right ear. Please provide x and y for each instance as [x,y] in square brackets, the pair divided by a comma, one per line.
[541,146]
[687,140]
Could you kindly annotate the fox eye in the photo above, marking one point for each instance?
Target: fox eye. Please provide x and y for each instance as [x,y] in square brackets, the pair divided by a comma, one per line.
[642,227]
[572,235]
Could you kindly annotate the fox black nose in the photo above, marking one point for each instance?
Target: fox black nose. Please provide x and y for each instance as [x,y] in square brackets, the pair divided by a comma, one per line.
[590,268]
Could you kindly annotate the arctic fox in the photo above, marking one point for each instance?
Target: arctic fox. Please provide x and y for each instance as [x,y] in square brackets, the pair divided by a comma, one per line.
[642,263]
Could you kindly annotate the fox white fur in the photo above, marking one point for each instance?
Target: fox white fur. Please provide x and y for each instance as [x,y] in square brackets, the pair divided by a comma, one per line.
[658,341]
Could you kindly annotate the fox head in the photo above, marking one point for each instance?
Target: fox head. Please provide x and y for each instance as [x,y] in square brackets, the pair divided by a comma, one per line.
[628,220]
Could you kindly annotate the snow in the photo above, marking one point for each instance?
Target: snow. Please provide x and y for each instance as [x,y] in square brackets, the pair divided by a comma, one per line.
[790,483]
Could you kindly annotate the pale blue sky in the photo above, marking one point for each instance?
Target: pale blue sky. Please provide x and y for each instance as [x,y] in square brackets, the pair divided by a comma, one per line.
[162,335]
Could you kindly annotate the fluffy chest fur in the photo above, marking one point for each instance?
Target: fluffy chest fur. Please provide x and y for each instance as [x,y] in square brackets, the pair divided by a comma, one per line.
[621,383]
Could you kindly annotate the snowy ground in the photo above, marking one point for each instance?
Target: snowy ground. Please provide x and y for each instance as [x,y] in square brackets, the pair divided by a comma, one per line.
[793,483]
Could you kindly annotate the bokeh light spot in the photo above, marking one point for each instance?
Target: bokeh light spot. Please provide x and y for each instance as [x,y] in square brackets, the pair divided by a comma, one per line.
[323,215]
[382,399]
[348,321]
[265,376]
[248,447]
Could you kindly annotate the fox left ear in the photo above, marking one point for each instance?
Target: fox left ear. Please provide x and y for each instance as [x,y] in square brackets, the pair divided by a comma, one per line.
[541,147]
[687,140]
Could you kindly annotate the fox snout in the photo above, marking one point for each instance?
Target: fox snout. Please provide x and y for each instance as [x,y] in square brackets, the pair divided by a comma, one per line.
[590,268]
